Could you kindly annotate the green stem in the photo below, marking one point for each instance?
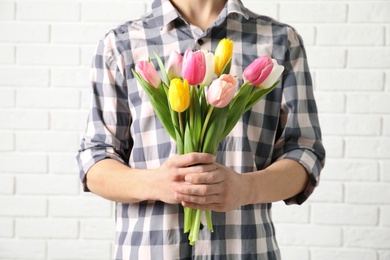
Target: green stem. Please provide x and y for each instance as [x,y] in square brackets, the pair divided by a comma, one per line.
[181,125]
[206,122]
[209,221]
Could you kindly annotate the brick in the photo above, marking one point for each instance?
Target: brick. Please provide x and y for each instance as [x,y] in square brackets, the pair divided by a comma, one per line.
[48,10]
[384,255]
[305,235]
[82,207]
[23,162]
[350,80]
[344,215]
[342,253]
[70,77]
[386,125]
[79,249]
[282,213]
[334,146]
[48,98]
[370,238]
[48,55]
[7,184]
[328,192]
[369,12]
[24,119]
[7,52]
[6,141]
[367,193]
[364,58]
[268,9]
[97,229]
[112,11]
[79,33]
[307,32]
[319,12]
[68,120]
[22,249]
[385,173]
[7,10]
[43,184]
[350,35]
[6,228]
[370,148]
[330,102]
[47,228]
[368,103]
[32,77]
[46,141]
[288,252]
[85,99]
[32,32]
[63,163]
[347,125]
[351,170]
[323,57]
[12,206]
[87,52]
[7,98]
[385,216]
[387,81]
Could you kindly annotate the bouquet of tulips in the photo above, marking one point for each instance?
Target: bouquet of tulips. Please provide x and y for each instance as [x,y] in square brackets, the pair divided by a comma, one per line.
[197,103]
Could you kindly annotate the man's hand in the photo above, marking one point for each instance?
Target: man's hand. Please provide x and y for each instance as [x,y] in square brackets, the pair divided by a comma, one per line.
[173,172]
[214,187]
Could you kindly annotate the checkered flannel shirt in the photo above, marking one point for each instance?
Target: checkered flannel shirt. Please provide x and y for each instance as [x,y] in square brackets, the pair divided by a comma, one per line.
[123,126]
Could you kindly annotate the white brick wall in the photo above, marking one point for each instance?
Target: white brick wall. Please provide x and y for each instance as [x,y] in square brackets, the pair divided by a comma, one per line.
[45,52]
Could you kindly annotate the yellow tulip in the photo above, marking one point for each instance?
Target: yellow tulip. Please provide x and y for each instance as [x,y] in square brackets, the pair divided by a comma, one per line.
[223,53]
[179,95]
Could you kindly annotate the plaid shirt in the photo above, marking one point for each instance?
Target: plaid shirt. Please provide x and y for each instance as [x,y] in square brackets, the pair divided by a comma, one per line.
[123,126]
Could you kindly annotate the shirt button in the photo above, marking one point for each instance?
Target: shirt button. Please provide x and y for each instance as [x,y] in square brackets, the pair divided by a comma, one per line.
[200,42]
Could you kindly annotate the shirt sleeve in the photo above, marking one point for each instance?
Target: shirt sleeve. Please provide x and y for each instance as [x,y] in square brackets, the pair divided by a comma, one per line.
[299,133]
[107,133]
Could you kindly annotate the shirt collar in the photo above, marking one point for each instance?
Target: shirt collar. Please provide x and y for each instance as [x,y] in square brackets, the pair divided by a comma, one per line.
[164,12]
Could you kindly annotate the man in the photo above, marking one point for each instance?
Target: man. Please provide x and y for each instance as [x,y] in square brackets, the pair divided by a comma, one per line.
[274,153]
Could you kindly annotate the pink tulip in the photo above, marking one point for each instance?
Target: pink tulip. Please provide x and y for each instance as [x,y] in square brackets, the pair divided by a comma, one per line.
[221,91]
[194,67]
[175,65]
[258,70]
[148,73]
[277,70]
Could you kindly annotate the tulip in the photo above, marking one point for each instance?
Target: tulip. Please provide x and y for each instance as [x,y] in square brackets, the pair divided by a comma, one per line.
[148,73]
[277,70]
[208,78]
[223,53]
[179,95]
[258,70]
[174,66]
[194,67]
[221,91]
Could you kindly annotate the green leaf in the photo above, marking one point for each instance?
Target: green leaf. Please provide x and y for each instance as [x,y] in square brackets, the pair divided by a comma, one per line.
[162,69]
[189,145]
[159,101]
[214,132]
[259,94]
[237,108]
[226,69]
